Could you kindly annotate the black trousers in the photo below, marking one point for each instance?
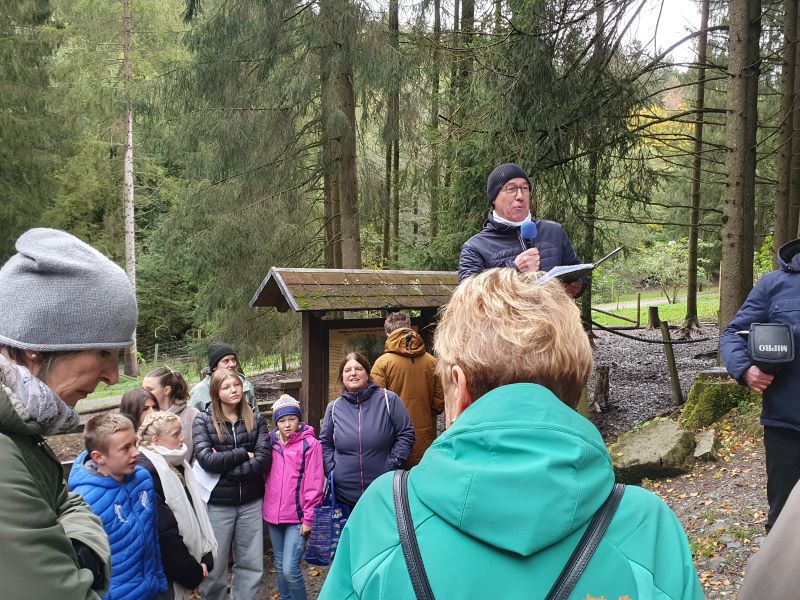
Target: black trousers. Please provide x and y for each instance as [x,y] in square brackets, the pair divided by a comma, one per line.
[783,467]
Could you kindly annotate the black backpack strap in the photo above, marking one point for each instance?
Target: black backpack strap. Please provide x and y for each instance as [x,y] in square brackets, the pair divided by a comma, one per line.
[408,539]
[583,552]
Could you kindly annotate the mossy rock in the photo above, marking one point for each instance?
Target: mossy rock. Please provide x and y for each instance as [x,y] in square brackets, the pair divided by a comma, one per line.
[655,449]
[712,398]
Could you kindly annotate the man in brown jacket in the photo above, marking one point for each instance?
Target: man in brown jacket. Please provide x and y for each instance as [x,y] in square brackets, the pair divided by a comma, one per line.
[409,371]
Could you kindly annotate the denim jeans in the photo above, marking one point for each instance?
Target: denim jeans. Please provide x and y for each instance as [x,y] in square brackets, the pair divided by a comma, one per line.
[287,549]
[241,525]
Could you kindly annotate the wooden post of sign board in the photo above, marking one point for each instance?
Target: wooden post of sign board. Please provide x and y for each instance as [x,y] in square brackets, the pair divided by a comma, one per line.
[427,325]
[314,365]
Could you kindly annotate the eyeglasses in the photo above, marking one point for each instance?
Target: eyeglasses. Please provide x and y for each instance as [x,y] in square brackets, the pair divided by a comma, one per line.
[512,190]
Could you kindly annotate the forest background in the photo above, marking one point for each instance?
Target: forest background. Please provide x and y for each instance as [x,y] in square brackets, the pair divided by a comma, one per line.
[359,134]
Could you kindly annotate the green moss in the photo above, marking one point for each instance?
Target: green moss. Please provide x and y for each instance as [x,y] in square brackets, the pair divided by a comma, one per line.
[711,399]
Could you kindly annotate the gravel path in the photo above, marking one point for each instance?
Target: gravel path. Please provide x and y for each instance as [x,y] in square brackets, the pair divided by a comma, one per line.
[640,387]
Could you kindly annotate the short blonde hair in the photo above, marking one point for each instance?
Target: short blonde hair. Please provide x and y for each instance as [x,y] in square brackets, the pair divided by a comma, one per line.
[502,327]
[156,423]
[100,428]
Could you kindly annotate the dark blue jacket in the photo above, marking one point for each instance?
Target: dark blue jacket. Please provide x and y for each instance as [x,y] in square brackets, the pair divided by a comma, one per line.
[774,299]
[497,245]
[128,511]
[364,434]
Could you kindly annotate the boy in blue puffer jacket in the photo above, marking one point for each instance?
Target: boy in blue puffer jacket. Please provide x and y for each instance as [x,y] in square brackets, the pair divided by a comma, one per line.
[121,494]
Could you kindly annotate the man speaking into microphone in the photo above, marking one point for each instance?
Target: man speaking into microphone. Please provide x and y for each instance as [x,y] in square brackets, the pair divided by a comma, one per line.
[506,240]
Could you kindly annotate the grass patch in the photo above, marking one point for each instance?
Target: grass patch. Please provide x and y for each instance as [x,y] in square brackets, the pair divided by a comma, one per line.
[271,362]
[627,297]
[126,383]
[707,307]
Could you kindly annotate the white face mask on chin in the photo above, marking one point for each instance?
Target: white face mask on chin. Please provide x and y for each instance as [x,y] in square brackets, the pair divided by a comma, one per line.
[174,456]
[499,219]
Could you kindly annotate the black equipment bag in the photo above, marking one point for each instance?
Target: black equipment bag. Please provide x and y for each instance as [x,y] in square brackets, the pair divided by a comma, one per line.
[771,346]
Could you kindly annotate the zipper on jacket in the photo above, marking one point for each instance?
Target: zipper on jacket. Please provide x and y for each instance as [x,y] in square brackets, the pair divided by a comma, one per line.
[521,241]
[236,445]
[360,452]
[141,529]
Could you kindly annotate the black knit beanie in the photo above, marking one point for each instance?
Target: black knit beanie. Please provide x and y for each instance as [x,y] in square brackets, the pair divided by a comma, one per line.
[217,351]
[501,176]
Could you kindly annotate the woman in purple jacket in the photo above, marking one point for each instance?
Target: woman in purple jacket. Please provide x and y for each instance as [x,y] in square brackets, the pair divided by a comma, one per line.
[366,431]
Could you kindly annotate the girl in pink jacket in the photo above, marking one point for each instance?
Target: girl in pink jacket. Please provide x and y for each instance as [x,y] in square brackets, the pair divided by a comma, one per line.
[294,488]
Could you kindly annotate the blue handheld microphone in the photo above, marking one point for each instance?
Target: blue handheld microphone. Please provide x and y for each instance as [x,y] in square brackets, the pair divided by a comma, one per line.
[528,233]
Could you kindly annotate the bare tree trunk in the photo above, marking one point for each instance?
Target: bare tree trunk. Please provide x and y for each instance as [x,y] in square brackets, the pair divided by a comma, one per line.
[395,199]
[330,158]
[348,183]
[434,122]
[691,320]
[393,129]
[339,23]
[794,185]
[784,228]
[131,364]
[387,206]
[736,267]
[467,32]
[598,58]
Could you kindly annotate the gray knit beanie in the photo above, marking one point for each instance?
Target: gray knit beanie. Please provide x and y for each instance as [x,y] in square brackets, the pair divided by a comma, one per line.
[501,176]
[59,293]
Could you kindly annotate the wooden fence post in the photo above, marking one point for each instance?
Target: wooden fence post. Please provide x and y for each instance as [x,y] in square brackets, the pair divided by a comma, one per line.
[639,309]
[673,368]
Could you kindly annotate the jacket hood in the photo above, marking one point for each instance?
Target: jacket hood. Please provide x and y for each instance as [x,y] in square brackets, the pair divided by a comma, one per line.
[405,342]
[518,469]
[29,406]
[789,256]
[11,421]
[85,469]
[361,395]
[304,433]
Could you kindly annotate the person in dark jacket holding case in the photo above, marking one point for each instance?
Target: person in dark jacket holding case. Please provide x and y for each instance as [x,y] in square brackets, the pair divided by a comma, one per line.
[233,442]
[366,431]
[499,243]
[774,299]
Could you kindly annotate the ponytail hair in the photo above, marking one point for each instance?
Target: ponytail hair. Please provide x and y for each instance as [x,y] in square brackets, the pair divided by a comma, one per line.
[173,379]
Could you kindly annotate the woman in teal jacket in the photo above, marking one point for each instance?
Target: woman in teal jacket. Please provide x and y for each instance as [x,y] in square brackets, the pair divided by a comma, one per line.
[501,499]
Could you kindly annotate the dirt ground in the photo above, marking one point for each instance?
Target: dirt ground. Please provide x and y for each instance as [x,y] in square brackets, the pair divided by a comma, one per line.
[721,505]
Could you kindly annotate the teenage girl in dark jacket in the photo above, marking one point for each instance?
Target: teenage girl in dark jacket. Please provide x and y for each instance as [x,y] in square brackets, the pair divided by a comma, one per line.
[232,442]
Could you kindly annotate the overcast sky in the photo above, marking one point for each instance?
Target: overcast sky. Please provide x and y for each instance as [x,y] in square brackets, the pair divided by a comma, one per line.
[663,27]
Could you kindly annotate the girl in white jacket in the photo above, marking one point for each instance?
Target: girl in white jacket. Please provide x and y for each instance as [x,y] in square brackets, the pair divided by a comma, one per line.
[185,535]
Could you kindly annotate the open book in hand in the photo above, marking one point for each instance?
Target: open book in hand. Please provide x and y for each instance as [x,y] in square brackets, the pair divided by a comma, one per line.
[569,273]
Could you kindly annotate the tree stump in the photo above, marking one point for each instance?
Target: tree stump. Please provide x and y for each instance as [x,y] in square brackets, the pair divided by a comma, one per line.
[653,320]
[601,389]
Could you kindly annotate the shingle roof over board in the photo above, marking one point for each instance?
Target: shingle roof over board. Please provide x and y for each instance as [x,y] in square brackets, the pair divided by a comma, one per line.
[353,289]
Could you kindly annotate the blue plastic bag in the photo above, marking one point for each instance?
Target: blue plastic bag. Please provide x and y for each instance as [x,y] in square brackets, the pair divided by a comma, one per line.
[329,520]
